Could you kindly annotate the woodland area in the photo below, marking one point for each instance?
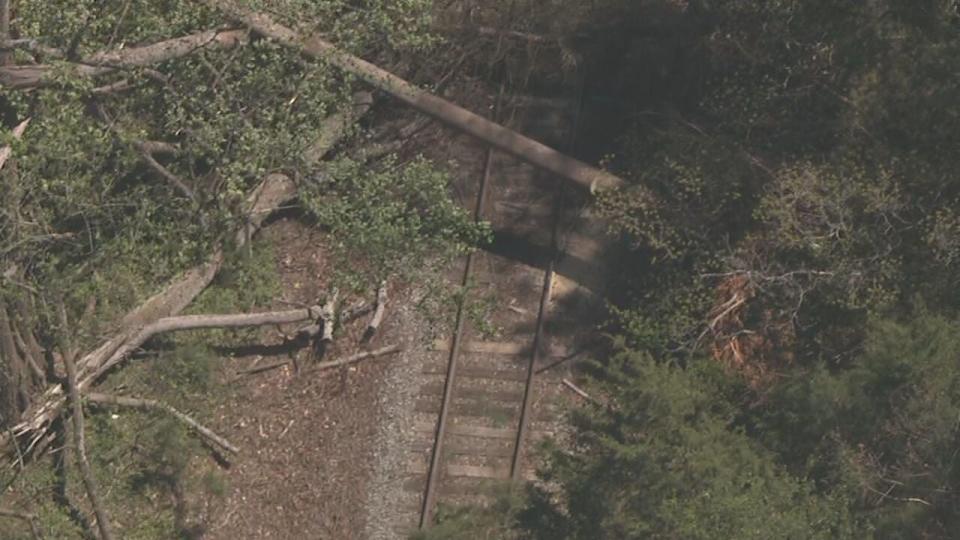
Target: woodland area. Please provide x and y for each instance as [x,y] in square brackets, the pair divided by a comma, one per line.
[782,353]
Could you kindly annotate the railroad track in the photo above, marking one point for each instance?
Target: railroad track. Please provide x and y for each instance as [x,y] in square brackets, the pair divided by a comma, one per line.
[485,401]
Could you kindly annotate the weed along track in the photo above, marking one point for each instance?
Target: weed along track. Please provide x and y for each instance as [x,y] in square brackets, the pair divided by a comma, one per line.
[490,390]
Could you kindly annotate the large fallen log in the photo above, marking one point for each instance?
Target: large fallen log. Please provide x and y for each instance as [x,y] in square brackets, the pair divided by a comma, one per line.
[33,76]
[269,195]
[453,115]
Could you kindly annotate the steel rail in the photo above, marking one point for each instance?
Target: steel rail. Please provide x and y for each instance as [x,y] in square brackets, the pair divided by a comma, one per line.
[433,473]
[546,291]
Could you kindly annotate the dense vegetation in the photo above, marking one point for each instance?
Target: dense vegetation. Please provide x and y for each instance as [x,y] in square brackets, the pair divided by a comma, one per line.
[785,353]
[784,359]
[123,180]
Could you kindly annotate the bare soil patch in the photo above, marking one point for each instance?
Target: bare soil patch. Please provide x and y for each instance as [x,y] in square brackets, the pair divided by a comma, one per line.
[306,438]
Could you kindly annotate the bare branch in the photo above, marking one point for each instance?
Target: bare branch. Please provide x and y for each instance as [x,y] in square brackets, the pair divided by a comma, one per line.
[355,358]
[173,179]
[23,77]
[140,403]
[89,483]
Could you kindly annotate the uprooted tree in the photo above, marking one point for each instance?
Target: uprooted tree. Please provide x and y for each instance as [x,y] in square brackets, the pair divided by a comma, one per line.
[149,141]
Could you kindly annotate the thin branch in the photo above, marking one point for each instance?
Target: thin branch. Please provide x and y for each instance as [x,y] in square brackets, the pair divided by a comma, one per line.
[146,154]
[577,390]
[355,358]
[33,76]
[86,474]
[141,403]
[453,115]
[173,179]
[328,315]
[29,518]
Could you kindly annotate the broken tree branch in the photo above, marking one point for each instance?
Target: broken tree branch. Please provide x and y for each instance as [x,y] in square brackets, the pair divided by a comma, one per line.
[141,403]
[196,322]
[273,192]
[355,358]
[33,76]
[6,151]
[173,179]
[453,115]
[577,390]
[377,318]
[144,149]
[327,316]
[89,483]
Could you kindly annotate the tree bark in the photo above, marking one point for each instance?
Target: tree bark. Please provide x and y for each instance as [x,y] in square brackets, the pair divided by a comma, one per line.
[377,318]
[33,76]
[140,403]
[266,198]
[89,483]
[196,322]
[6,56]
[6,151]
[453,115]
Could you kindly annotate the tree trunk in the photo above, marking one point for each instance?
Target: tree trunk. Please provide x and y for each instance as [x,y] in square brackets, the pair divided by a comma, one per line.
[453,115]
[266,198]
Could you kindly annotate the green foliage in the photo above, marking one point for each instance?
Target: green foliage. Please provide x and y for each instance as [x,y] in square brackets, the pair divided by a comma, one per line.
[666,460]
[885,429]
[389,221]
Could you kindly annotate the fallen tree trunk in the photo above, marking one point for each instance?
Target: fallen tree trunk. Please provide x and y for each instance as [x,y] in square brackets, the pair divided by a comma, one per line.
[140,403]
[33,76]
[269,195]
[453,115]
[196,322]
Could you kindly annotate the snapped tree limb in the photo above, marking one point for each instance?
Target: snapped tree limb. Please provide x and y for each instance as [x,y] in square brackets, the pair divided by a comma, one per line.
[89,482]
[453,115]
[355,358]
[33,76]
[140,403]
[270,194]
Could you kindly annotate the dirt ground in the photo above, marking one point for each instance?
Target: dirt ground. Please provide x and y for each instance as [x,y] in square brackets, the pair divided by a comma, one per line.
[309,439]
[305,437]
